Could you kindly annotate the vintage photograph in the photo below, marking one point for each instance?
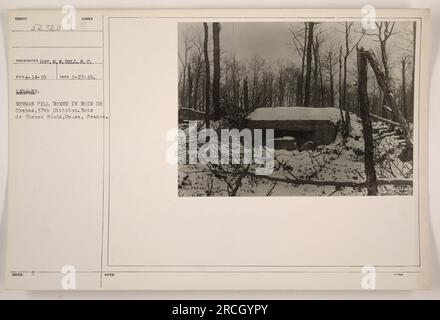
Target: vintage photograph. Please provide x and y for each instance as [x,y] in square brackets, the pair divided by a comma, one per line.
[296,109]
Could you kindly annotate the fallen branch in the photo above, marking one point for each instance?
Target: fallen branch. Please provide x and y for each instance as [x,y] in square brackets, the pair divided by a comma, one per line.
[384,120]
[339,184]
[390,102]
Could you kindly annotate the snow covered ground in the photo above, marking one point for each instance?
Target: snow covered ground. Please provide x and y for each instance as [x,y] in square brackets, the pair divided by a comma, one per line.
[339,161]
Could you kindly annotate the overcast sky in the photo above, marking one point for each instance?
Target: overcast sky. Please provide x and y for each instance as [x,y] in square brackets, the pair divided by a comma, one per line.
[272,41]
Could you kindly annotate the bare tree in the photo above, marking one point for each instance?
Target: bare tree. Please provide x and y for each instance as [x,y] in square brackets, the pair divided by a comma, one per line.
[216,75]
[198,72]
[245,95]
[310,28]
[385,30]
[300,46]
[403,89]
[319,82]
[413,66]
[315,88]
[256,67]
[348,50]
[270,85]
[330,66]
[207,75]
[281,84]
[367,130]
[184,64]
[190,87]
[341,109]
[385,86]
[235,83]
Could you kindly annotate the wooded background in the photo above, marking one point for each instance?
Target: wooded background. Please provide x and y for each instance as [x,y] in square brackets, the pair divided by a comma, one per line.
[230,67]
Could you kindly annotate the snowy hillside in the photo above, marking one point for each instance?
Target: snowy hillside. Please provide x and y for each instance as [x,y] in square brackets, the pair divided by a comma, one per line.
[300,173]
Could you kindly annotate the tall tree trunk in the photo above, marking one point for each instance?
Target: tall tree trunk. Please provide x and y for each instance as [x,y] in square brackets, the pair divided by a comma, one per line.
[207,75]
[281,88]
[367,130]
[300,95]
[182,97]
[216,75]
[298,91]
[190,87]
[321,82]
[340,88]
[204,93]
[383,111]
[384,32]
[311,25]
[403,98]
[315,75]
[271,91]
[197,84]
[411,105]
[344,97]
[383,51]
[347,122]
[321,87]
[332,89]
[245,95]
[235,84]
